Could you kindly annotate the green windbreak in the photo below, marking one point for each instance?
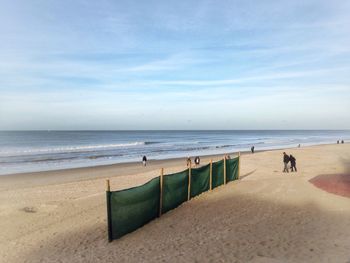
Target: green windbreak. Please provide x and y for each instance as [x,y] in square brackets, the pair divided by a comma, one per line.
[175,190]
[232,169]
[132,208]
[218,173]
[200,180]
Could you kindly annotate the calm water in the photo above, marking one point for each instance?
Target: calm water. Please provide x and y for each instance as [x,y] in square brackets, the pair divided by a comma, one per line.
[25,151]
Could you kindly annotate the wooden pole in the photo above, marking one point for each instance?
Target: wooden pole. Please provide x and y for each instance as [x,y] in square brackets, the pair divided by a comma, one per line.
[225,169]
[189,182]
[161,191]
[239,164]
[108,187]
[211,175]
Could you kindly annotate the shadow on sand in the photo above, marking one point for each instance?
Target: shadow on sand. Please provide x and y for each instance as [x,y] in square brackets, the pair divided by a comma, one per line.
[247,174]
[237,228]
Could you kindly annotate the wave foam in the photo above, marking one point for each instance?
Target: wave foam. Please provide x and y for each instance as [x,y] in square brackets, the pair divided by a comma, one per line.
[73,148]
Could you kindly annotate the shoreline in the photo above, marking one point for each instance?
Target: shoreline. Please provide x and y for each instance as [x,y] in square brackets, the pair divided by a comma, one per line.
[69,175]
[23,154]
[95,172]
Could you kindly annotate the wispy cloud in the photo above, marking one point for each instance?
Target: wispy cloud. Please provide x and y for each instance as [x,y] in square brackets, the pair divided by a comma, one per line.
[113,59]
[173,62]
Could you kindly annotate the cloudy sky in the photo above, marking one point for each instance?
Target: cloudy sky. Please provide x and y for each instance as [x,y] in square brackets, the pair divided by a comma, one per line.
[115,64]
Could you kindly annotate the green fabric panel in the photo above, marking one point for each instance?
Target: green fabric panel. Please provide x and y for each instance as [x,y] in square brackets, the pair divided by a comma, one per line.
[218,173]
[175,190]
[231,169]
[134,207]
[109,221]
[200,178]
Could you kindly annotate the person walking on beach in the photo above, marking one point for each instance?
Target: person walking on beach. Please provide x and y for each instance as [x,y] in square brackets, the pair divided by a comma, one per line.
[197,160]
[252,149]
[293,167]
[144,160]
[285,161]
[342,141]
[188,161]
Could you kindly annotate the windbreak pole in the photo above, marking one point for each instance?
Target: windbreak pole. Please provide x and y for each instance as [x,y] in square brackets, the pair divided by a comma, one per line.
[239,164]
[189,182]
[211,175]
[225,169]
[108,187]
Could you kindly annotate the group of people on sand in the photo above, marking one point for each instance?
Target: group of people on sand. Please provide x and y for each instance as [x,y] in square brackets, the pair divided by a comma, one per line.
[289,158]
[286,159]
[197,161]
[342,141]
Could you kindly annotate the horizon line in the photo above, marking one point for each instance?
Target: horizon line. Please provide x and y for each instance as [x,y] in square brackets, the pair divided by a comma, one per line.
[121,130]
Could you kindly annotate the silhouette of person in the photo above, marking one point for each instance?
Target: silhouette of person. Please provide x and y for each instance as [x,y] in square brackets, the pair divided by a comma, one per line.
[285,161]
[144,160]
[197,160]
[188,161]
[293,167]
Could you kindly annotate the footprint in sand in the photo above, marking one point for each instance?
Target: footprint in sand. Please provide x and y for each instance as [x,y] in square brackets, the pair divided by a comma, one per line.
[30,209]
[263,243]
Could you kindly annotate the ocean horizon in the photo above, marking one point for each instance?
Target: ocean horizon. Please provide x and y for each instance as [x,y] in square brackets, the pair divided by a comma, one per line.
[44,150]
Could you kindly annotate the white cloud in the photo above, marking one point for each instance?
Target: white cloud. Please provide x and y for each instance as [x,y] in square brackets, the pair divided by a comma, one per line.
[187,60]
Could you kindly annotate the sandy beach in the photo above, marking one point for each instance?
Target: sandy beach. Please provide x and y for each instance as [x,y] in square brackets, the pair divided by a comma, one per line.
[266,216]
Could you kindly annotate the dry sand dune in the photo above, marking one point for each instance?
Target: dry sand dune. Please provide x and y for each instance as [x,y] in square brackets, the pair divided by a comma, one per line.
[267,216]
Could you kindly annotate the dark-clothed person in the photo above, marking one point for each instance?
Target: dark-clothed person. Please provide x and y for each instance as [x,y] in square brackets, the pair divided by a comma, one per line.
[293,167]
[252,149]
[144,160]
[285,161]
[197,160]
[188,161]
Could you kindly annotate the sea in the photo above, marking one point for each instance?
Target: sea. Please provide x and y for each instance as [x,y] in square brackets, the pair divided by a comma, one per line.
[32,151]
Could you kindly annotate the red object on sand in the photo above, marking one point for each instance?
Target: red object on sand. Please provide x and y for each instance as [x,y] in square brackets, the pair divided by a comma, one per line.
[338,184]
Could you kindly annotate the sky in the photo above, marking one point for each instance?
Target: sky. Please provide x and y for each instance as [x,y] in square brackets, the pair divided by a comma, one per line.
[124,65]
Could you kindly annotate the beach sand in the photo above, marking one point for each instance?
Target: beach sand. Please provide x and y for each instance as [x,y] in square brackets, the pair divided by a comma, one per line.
[266,216]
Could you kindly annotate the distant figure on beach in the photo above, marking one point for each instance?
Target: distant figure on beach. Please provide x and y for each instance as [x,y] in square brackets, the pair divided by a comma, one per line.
[338,142]
[252,149]
[197,160]
[299,145]
[144,160]
[293,167]
[188,161]
[342,141]
[285,161]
